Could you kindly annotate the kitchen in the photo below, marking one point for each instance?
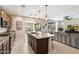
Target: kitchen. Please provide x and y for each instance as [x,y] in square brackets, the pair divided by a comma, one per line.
[38,25]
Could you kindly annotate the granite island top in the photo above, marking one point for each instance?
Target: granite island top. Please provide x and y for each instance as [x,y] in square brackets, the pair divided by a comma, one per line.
[40,35]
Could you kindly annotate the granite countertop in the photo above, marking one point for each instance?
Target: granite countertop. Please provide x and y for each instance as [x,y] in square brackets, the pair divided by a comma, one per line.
[40,35]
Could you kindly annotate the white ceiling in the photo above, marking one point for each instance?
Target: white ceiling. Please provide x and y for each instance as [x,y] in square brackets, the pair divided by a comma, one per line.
[53,11]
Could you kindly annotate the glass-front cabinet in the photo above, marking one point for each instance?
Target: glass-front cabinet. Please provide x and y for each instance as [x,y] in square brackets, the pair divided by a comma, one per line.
[32,27]
[37,26]
[28,27]
[51,27]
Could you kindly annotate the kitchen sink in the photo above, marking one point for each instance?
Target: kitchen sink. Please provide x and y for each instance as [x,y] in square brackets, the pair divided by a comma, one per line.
[33,33]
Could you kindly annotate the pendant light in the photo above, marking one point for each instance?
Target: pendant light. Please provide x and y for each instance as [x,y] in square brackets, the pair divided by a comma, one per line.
[46,12]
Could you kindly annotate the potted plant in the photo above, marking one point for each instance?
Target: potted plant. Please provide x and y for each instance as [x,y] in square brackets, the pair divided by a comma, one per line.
[60,29]
[71,28]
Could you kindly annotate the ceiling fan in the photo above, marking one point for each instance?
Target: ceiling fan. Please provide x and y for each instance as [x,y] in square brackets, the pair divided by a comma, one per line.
[67,18]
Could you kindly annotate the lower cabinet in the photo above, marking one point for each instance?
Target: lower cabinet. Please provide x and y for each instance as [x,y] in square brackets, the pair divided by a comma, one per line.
[71,39]
[1,50]
[6,46]
[64,38]
[7,43]
[75,40]
[56,36]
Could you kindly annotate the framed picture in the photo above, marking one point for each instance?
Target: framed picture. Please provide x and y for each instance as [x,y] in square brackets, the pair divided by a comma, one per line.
[19,25]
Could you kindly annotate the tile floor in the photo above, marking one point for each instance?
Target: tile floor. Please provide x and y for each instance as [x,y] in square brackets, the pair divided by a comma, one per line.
[21,46]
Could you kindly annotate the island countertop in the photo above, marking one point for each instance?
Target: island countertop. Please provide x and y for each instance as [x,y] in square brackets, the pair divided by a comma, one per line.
[40,35]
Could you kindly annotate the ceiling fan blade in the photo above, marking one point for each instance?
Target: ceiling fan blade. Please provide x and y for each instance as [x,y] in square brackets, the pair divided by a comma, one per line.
[67,18]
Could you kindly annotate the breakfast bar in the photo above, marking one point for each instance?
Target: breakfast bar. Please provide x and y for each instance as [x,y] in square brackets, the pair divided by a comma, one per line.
[39,42]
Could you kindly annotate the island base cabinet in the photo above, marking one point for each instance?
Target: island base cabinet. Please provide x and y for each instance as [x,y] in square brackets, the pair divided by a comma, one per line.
[42,46]
[39,46]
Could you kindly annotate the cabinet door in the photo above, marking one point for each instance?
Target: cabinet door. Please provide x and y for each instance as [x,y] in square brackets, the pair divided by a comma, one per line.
[68,39]
[7,47]
[73,41]
[12,40]
[63,38]
[60,37]
[4,47]
[56,35]
[73,38]
[77,42]
[1,51]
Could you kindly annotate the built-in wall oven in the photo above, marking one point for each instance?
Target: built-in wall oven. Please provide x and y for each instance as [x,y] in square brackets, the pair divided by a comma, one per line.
[3,23]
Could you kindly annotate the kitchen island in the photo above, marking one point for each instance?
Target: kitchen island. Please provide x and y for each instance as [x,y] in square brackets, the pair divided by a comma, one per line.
[39,42]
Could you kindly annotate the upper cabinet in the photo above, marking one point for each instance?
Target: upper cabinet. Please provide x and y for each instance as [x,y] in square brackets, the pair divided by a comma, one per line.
[6,17]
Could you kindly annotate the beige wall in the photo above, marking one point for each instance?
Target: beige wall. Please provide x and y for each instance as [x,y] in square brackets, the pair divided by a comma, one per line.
[19,33]
[25,20]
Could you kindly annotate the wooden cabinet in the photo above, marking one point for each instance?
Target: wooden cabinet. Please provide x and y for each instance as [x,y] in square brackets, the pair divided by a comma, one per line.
[1,51]
[71,39]
[75,40]
[13,36]
[6,17]
[6,46]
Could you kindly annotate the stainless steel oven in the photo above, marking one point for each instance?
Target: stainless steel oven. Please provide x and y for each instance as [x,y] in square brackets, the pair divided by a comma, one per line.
[3,23]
